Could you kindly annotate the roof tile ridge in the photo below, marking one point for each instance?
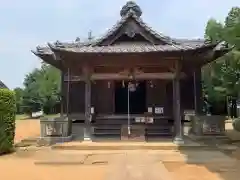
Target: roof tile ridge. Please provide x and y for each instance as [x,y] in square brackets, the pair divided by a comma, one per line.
[111,30]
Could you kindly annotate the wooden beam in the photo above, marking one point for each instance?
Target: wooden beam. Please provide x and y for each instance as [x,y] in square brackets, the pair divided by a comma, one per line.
[116,76]
[62,93]
[123,60]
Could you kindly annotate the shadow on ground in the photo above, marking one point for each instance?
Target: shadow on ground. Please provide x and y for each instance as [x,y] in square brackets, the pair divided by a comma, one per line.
[223,160]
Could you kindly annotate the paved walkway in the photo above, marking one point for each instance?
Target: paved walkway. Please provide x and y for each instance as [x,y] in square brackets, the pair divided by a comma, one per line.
[118,165]
[113,165]
[138,166]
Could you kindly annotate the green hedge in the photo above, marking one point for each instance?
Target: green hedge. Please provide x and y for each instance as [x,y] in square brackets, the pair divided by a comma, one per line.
[236,124]
[7,120]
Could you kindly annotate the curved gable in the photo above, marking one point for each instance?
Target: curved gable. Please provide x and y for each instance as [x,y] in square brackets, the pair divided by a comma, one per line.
[131,25]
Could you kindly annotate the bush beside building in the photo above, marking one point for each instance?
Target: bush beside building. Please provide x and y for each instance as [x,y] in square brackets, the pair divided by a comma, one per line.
[7,120]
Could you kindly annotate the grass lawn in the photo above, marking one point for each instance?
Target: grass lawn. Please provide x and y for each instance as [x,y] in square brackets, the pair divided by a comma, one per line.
[24,116]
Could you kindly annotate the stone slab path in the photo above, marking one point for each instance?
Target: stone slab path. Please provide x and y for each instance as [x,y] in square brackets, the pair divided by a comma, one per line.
[118,165]
[137,166]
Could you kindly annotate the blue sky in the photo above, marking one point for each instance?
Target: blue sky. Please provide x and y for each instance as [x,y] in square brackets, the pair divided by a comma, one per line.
[28,23]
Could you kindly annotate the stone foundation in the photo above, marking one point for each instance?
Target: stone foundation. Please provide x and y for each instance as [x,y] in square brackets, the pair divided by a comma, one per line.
[208,125]
[55,130]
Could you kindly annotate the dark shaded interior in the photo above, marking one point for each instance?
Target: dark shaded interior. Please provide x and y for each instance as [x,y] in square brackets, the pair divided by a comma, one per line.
[137,98]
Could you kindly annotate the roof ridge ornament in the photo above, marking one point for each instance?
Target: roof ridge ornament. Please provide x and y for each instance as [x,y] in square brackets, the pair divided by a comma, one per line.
[131,6]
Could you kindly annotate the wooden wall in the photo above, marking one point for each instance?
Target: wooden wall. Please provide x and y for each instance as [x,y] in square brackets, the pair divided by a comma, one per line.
[103,101]
[102,96]
[76,97]
[199,97]
[187,93]
[158,95]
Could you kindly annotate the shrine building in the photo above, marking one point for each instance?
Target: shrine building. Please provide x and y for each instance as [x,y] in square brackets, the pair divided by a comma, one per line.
[132,77]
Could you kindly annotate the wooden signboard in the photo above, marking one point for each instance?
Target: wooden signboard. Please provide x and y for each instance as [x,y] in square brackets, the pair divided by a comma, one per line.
[211,129]
[159,110]
[54,129]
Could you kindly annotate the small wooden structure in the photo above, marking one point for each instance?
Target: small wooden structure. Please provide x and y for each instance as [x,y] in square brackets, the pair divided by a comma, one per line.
[161,74]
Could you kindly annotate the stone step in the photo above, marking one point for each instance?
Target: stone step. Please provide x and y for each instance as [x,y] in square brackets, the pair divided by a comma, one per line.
[27,142]
[129,146]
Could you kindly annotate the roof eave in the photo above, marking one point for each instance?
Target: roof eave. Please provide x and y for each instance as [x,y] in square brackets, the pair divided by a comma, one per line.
[216,54]
[48,58]
[56,49]
[2,85]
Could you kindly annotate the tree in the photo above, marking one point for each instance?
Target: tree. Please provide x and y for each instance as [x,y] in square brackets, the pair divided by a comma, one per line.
[232,27]
[213,34]
[214,31]
[50,87]
[221,78]
[42,89]
[32,100]
[19,99]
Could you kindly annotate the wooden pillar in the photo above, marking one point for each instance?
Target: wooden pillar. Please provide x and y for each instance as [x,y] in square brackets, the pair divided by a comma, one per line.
[68,93]
[87,129]
[195,92]
[178,139]
[198,99]
[62,93]
[67,101]
[174,102]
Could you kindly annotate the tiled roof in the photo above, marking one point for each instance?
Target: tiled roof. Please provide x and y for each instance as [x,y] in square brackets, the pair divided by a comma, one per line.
[132,48]
[181,45]
[46,50]
[130,10]
[132,14]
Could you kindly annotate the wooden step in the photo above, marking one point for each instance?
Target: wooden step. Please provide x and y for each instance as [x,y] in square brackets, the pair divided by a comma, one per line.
[157,126]
[106,130]
[107,126]
[158,134]
[158,130]
[112,121]
[107,133]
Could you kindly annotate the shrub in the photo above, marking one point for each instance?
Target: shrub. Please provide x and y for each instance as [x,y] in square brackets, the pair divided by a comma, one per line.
[7,120]
[236,124]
